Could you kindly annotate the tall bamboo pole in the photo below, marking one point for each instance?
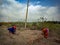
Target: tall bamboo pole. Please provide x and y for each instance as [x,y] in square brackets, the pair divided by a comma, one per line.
[26,14]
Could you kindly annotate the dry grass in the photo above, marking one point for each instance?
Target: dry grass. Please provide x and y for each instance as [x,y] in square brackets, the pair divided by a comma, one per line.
[25,37]
[28,37]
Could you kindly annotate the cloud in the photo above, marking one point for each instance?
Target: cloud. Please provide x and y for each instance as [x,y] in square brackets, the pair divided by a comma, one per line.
[11,10]
[38,11]
[35,3]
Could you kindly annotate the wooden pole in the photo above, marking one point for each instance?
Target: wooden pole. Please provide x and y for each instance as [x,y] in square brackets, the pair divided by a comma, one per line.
[26,14]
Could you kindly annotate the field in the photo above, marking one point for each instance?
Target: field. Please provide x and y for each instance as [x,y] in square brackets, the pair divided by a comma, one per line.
[30,36]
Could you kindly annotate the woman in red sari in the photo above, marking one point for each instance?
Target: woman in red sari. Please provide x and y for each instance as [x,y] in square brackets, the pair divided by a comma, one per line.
[45,32]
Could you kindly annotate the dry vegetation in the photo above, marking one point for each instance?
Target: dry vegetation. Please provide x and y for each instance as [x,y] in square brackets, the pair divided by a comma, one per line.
[31,36]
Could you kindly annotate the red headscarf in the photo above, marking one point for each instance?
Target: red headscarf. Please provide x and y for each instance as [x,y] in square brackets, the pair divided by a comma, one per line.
[14,27]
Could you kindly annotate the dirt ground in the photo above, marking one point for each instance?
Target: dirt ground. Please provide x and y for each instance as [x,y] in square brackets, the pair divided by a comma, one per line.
[24,37]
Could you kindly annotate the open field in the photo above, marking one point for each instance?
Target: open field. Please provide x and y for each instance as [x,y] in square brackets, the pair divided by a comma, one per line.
[31,36]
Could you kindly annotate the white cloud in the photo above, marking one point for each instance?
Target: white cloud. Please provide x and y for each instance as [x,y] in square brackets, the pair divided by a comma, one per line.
[10,10]
[35,3]
[38,2]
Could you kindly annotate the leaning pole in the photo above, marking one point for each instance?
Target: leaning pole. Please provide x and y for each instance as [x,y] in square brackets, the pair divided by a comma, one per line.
[26,14]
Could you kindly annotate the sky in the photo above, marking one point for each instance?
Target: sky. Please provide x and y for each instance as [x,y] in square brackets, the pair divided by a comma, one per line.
[15,10]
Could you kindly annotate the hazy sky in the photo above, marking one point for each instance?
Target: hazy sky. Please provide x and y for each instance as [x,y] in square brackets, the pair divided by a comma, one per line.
[15,10]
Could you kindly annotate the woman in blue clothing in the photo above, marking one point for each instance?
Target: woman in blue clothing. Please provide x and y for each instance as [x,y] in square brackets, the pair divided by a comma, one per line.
[12,29]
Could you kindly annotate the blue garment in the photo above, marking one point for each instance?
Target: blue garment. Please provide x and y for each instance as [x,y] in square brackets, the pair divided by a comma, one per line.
[12,30]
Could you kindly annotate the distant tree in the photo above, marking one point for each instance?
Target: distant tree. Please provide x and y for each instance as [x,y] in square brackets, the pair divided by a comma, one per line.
[42,19]
[45,19]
